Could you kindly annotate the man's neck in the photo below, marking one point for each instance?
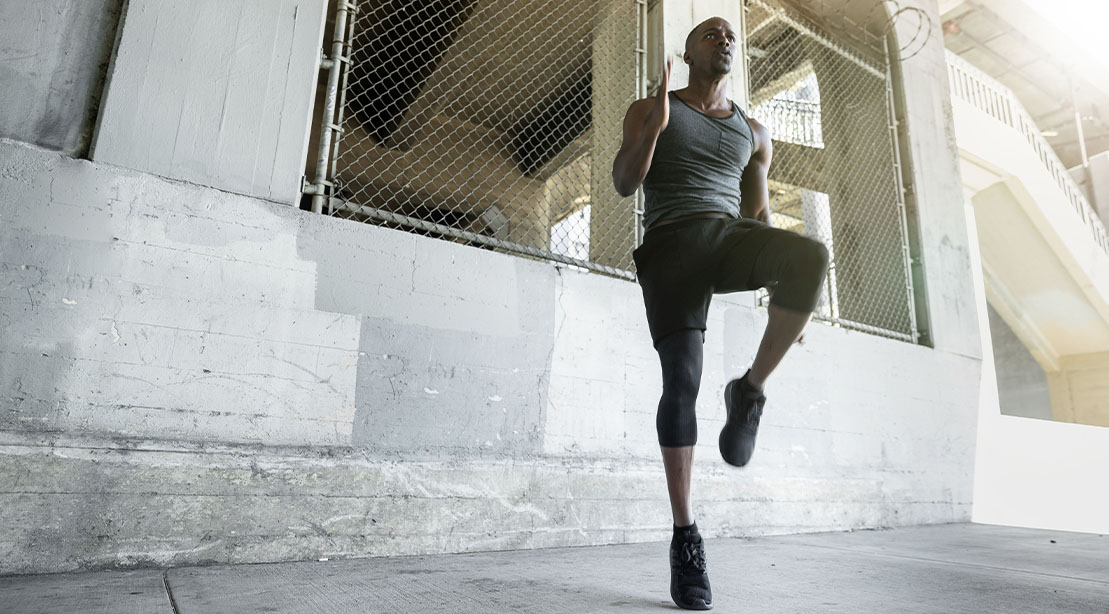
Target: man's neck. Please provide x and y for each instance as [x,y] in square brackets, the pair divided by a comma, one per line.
[707,94]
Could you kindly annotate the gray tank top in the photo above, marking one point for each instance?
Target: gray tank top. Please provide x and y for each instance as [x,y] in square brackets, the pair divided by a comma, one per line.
[697,165]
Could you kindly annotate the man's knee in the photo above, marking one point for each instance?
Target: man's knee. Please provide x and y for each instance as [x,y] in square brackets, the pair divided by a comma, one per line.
[814,257]
[676,421]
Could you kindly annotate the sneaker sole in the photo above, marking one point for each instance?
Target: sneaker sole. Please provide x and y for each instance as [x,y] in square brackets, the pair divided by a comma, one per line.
[698,605]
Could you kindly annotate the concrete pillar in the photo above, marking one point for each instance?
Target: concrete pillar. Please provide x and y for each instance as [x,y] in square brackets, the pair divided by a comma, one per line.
[1078,389]
[214,92]
[612,218]
[681,16]
[816,215]
[612,233]
[53,51]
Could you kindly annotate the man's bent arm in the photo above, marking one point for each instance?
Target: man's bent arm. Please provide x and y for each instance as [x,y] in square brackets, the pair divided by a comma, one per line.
[754,189]
[638,148]
[646,119]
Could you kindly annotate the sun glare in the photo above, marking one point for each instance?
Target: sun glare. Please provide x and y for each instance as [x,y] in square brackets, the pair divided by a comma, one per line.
[1082,21]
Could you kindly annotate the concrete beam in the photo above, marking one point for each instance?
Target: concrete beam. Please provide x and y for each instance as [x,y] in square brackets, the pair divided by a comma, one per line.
[214,92]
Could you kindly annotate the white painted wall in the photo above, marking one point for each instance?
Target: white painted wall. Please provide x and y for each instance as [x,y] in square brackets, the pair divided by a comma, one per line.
[1030,472]
[215,92]
[1040,474]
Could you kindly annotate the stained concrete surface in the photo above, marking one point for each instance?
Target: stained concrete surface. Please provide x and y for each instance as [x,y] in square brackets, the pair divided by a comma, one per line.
[944,568]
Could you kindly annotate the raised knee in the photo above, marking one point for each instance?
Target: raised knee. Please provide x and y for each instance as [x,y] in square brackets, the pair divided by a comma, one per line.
[815,257]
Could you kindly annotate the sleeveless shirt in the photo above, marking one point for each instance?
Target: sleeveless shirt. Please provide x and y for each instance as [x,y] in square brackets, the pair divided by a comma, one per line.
[697,164]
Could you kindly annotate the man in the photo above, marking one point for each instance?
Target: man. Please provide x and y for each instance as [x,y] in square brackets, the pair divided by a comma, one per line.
[703,166]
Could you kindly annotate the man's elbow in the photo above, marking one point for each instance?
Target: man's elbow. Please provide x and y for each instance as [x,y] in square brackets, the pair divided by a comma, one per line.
[623,186]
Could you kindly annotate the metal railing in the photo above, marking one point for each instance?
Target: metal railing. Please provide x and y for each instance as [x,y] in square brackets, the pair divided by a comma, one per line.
[991,97]
[792,121]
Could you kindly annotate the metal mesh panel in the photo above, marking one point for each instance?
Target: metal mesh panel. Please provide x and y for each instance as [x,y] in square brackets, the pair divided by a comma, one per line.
[492,123]
[834,174]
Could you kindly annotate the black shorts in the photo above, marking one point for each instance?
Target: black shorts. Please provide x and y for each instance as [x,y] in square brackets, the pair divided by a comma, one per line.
[682,264]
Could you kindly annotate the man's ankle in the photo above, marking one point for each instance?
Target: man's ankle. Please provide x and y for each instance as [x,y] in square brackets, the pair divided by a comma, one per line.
[751,383]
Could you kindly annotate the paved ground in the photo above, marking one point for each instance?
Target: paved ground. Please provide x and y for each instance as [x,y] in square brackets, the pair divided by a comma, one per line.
[950,569]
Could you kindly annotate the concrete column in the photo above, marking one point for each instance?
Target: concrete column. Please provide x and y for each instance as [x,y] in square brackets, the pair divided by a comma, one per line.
[817,218]
[612,218]
[681,16]
[52,54]
[1078,390]
[214,92]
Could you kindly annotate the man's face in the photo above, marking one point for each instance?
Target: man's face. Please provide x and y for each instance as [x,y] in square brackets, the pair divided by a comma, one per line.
[711,46]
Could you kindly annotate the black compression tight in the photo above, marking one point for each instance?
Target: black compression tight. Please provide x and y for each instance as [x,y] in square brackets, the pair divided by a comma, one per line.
[681,354]
[797,266]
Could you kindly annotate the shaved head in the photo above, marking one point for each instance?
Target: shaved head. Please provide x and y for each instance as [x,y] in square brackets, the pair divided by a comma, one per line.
[692,33]
[710,47]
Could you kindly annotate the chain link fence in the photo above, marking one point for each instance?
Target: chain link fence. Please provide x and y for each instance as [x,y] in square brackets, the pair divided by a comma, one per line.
[491,123]
[494,123]
[835,173]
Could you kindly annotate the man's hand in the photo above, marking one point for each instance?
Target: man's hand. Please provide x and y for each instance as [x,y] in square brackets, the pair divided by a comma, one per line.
[659,116]
[644,122]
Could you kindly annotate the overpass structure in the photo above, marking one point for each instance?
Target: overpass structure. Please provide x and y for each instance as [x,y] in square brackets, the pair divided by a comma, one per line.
[1045,251]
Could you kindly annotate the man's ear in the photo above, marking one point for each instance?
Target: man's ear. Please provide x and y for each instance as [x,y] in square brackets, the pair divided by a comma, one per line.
[685,58]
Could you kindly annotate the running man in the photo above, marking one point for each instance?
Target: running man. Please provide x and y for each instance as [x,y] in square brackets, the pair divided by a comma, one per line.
[703,166]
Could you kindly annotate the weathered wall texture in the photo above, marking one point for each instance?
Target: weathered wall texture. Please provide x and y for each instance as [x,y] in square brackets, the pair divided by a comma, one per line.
[1021,381]
[53,57]
[214,92]
[188,375]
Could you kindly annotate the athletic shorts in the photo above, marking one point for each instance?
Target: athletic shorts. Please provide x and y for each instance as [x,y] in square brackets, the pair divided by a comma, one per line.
[682,264]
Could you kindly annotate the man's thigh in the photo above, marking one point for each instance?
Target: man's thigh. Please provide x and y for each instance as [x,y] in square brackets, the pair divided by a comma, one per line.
[750,256]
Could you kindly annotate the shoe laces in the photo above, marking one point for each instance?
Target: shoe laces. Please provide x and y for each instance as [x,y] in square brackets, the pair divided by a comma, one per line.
[691,557]
[752,402]
[753,414]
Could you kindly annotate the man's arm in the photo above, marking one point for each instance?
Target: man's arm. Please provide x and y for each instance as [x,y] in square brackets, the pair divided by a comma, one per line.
[754,191]
[645,120]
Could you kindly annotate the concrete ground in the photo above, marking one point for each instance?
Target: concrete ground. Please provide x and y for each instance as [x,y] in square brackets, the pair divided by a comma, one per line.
[947,568]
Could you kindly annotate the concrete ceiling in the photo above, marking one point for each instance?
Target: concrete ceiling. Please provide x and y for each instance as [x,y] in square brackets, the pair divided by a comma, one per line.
[1013,44]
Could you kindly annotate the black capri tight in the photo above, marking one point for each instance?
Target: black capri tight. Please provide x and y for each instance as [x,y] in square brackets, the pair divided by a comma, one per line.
[681,265]
[682,355]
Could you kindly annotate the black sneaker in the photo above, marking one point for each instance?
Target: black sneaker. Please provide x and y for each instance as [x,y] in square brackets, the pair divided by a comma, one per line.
[689,583]
[737,438]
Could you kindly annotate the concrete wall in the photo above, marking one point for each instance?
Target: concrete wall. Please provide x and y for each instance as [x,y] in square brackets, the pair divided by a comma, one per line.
[214,92]
[53,58]
[1021,381]
[191,376]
